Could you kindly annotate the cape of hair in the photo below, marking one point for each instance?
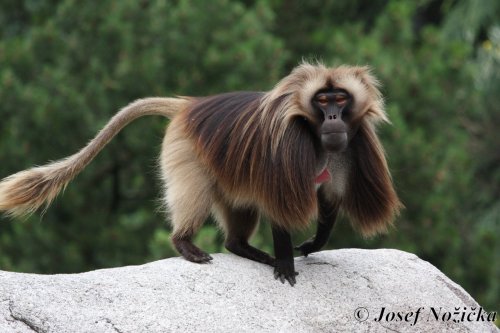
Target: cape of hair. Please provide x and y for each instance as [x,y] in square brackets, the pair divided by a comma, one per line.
[261,146]
[234,134]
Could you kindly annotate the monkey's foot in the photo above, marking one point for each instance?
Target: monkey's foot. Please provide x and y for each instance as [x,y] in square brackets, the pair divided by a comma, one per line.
[284,270]
[243,249]
[309,246]
[190,252]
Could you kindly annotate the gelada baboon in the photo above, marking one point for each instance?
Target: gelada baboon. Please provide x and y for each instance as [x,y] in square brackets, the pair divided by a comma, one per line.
[300,151]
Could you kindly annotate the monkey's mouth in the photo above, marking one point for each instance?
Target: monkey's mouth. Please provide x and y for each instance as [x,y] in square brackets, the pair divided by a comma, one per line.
[323,177]
[334,141]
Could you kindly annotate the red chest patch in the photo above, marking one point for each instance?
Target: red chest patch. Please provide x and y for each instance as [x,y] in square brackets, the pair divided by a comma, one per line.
[324,176]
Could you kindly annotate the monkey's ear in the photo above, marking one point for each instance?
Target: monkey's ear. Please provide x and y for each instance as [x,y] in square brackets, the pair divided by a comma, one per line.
[370,201]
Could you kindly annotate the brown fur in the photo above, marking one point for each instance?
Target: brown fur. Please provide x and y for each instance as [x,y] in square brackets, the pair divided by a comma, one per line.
[370,199]
[240,154]
[237,152]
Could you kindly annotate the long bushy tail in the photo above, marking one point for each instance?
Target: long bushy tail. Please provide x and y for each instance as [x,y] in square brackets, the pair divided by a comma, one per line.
[26,191]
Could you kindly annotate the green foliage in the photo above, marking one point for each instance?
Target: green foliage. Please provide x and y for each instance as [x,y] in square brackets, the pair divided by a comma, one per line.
[483,123]
[67,66]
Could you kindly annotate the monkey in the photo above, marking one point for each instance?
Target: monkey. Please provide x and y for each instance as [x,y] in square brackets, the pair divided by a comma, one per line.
[304,150]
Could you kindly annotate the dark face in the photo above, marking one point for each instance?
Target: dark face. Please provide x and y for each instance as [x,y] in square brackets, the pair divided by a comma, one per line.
[334,104]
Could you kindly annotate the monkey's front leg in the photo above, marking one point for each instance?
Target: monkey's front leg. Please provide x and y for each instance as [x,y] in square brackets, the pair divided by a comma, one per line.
[284,268]
[328,211]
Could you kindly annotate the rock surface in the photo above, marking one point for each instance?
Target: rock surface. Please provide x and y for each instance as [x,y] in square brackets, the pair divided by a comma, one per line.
[336,291]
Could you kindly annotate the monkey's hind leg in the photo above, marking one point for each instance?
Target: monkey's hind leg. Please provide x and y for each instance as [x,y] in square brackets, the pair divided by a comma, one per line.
[188,191]
[239,225]
[189,205]
[185,226]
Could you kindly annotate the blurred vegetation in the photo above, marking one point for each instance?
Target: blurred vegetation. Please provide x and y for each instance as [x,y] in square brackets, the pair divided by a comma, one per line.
[67,66]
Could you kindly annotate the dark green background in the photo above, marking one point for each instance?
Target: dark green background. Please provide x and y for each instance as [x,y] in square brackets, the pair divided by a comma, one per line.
[67,66]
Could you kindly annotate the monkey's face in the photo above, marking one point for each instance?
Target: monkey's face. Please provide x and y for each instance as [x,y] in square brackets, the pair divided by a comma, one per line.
[333,105]
[333,101]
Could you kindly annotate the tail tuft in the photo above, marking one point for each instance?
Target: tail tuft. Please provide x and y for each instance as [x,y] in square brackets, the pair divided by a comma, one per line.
[24,192]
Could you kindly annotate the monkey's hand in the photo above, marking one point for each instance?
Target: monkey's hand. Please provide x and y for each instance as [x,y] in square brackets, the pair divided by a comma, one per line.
[309,246]
[284,270]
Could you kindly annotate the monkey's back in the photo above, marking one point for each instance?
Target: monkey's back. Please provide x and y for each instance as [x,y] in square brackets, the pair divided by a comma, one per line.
[232,136]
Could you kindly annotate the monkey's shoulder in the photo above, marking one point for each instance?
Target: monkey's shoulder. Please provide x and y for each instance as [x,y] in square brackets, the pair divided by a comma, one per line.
[220,116]
[224,105]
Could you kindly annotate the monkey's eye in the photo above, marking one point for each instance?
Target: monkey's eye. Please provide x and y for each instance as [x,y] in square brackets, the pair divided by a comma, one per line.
[340,99]
[322,99]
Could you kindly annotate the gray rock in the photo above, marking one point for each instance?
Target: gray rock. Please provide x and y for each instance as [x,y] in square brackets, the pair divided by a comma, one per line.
[335,292]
